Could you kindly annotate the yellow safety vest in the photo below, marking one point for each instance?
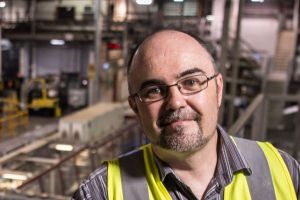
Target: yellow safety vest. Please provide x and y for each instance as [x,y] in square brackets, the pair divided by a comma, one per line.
[137,182]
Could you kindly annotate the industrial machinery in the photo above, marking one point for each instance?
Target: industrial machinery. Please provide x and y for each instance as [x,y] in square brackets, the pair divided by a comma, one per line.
[43,95]
[72,90]
[93,122]
[12,114]
[51,161]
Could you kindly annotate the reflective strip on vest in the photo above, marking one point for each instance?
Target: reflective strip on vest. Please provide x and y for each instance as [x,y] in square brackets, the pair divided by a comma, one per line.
[282,181]
[260,181]
[135,176]
[130,181]
[114,184]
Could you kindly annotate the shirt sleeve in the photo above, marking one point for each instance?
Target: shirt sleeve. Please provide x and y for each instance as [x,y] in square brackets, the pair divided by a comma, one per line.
[294,169]
[94,187]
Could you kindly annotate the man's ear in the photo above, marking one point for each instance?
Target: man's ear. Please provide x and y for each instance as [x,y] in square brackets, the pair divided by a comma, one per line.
[219,79]
[132,104]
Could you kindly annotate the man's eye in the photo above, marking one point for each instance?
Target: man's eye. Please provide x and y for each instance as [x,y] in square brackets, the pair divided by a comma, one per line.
[192,82]
[152,92]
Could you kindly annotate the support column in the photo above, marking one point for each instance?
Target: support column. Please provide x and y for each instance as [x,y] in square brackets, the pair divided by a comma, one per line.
[224,53]
[235,65]
[95,85]
[32,46]
[0,50]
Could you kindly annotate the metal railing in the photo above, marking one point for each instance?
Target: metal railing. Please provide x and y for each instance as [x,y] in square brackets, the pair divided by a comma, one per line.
[12,117]
[255,118]
[68,171]
[253,109]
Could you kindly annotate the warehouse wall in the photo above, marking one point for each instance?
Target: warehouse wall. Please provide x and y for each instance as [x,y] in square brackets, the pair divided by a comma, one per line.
[15,11]
[54,59]
[261,33]
[46,10]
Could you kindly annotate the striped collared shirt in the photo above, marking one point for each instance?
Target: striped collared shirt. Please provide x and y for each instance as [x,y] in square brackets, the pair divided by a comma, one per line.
[230,160]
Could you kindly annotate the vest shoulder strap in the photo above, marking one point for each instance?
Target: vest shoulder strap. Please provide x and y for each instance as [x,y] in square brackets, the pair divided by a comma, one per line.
[260,181]
[270,178]
[138,177]
[133,176]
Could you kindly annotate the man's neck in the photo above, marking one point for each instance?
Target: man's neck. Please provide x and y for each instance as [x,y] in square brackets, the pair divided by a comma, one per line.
[195,169]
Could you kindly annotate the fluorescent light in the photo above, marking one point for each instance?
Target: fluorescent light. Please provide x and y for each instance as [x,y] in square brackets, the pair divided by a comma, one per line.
[209,17]
[144,2]
[105,65]
[258,1]
[57,42]
[84,82]
[291,110]
[63,147]
[14,176]
[2,4]
[178,0]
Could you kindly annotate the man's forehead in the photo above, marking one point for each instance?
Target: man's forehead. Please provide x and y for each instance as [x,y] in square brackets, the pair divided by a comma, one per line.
[169,43]
[168,38]
[167,54]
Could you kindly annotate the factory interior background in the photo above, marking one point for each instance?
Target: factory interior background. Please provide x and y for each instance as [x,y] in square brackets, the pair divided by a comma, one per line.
[63,82]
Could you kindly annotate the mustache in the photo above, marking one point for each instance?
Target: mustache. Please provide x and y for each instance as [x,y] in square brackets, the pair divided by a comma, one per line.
[177,115]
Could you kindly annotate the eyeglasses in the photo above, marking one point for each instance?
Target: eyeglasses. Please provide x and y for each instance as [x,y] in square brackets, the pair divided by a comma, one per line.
[187,86]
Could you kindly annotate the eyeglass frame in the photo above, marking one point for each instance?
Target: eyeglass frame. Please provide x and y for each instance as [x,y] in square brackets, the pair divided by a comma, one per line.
[176,84]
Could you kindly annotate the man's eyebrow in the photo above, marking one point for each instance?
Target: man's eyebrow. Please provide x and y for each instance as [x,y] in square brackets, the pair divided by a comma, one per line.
[151,82]
[190,71]
[160,82]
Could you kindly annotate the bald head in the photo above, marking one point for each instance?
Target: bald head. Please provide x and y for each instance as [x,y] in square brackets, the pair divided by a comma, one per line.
[159,49]
[162,35]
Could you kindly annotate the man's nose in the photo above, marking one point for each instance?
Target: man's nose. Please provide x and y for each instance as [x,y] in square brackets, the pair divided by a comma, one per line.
[175,99]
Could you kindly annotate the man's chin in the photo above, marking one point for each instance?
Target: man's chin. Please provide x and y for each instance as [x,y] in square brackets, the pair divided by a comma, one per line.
[180,140]
[179,129]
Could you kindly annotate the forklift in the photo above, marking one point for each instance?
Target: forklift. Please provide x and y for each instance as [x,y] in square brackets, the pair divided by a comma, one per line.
[42,95]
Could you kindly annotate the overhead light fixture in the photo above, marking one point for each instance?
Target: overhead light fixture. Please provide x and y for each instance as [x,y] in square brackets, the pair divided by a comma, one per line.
[258,1]
[12,176]
[106,65]
[144,2]
[57,42]
[2,4]
[178,0]
[209,17]
[63,147]
[291,110]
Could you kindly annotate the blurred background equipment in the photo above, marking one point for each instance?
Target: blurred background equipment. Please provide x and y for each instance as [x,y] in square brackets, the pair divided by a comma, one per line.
[43,95]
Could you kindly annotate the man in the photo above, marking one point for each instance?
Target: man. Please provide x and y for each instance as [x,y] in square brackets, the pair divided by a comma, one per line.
[176,93]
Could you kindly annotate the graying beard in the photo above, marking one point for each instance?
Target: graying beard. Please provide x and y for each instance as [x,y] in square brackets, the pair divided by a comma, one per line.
[178,141]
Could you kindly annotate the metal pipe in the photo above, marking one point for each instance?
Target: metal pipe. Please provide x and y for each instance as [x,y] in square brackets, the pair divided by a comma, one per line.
[240,123]
[32,47]
[98,38]
[0,44]
[224,46]
[0,49]
[297,135]
[296,17]
[235,66]
[278,97]
[96,145]
[41,174]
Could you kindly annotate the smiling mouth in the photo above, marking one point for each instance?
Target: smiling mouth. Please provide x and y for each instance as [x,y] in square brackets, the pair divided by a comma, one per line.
[176,122]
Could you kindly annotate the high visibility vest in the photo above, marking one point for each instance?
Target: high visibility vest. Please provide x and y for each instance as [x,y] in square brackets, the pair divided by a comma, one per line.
[135,176]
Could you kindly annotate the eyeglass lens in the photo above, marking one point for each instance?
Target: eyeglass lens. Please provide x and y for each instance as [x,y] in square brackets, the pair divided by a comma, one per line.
[186,86]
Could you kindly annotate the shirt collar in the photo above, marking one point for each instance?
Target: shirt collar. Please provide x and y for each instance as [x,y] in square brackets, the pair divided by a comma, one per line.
[230,161]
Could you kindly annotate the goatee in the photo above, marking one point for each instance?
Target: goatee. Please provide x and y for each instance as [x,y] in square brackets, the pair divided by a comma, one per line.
[181,138]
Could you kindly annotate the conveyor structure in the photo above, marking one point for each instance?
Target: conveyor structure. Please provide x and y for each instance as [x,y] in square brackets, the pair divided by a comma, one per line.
[93,122]
[33,167]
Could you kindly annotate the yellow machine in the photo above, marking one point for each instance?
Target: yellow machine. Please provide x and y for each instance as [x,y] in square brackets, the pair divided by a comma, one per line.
[12,114]
[42,96]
